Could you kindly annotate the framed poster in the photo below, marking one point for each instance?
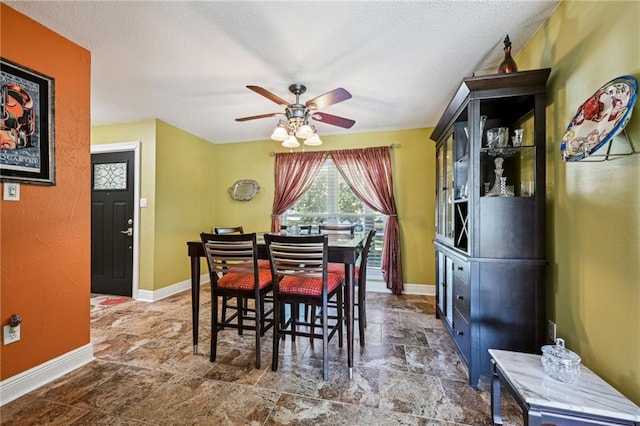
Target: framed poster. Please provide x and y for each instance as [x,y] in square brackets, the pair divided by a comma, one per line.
[26,125]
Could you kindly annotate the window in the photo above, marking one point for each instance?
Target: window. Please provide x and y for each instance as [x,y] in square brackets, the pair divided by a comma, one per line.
[331,201]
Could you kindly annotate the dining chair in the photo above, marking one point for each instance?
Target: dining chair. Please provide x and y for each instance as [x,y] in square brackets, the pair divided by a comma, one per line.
[225,299]
[234,272]
[337,229]
[337,268]
[361,283]
[262,263]
[300,276]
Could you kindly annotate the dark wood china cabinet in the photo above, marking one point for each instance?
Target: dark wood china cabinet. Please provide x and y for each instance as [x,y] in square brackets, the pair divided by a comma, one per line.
[490,216]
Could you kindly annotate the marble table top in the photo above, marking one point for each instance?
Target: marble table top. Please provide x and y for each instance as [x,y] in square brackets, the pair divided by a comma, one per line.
[589,394]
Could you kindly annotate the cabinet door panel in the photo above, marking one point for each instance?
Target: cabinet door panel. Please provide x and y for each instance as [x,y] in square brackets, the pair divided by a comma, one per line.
[508,228]
[449,286]
[461,334]
[461,271]
[441,281]
[461,294]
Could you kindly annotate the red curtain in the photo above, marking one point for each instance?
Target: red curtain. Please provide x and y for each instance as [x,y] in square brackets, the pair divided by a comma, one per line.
[368,173]
[294,174]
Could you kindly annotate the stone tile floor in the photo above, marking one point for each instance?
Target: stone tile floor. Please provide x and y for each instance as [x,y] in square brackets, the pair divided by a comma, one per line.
[145,373]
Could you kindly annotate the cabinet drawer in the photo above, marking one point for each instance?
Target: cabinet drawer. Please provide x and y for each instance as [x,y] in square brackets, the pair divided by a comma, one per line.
[461,334]
[461,271]
[461,298]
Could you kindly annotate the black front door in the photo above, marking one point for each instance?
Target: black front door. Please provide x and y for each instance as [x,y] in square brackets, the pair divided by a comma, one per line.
[112,223]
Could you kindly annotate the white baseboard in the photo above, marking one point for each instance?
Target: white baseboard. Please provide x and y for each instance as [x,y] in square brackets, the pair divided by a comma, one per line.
[154,296]
[424,289]
[23,383]
[373,284]
[379,286]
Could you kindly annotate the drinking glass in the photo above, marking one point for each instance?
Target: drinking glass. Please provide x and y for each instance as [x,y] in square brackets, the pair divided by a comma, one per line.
[503,136]
[517,138]
[483,120]
[492,138]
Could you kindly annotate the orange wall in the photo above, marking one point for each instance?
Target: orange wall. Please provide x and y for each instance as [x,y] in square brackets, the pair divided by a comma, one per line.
[45,237]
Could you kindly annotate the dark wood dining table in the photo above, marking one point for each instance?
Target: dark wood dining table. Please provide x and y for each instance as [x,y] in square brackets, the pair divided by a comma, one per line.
[343,248]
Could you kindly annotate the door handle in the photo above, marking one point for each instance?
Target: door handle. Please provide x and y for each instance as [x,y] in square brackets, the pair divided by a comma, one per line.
[128,232]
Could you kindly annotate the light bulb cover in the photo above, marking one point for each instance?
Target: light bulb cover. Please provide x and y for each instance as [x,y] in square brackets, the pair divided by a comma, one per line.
[305,131]
[291,142]
[279,134]
[313,140]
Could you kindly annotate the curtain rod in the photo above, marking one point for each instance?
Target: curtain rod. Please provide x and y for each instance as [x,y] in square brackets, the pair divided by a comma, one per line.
[392,146]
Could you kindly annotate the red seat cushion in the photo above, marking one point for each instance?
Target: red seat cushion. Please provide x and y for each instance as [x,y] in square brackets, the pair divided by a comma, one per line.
[309,286]
[240,281]
[338,268]
[262,263]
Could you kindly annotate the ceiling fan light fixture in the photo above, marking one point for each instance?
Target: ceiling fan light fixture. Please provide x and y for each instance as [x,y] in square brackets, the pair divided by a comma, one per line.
[313,140]
[296,116]
[305,131]
[291,142]
[279,134]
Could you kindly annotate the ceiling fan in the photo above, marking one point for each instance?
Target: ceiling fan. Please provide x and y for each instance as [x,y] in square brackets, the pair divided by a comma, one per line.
[298,115]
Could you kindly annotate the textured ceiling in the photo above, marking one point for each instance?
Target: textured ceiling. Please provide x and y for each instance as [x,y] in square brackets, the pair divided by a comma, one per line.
[188,62]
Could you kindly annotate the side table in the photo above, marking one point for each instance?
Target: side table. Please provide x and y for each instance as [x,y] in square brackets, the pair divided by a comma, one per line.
[588,401]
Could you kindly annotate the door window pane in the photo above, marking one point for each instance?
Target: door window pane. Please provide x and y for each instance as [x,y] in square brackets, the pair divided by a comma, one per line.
[110,176]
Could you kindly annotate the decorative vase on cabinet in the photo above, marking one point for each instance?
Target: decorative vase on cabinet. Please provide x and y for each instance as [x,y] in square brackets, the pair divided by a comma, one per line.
[508,64]
[490,244]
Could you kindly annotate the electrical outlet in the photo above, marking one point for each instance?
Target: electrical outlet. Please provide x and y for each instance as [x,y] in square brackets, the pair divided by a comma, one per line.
[551,331]
[10,334]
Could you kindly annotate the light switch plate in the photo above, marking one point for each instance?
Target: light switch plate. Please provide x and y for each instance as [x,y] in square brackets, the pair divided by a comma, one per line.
[11,191]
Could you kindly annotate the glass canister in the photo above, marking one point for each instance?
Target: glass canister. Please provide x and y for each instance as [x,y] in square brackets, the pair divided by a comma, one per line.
[560,363]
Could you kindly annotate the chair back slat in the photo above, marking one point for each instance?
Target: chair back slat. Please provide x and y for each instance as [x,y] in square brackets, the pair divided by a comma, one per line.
[230,252]
[337,229]
[230,230]
[298,256]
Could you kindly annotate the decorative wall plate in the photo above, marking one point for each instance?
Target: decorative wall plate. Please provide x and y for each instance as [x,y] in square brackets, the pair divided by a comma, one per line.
[244,190]
[600,118]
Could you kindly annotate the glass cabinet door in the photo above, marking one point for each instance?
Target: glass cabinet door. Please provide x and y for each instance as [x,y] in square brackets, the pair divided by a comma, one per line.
[452,158]
[444,223]
[441,199]
[461,187]
[449,192]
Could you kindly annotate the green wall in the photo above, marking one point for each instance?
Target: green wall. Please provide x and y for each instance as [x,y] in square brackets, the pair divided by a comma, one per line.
[145,133]
[593,208]
[185,183]
[414,188]
[178,181]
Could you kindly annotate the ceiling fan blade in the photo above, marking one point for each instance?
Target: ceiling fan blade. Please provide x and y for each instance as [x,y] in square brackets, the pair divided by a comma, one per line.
[267,94]
[255,117]
[329,98]
[333,120]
